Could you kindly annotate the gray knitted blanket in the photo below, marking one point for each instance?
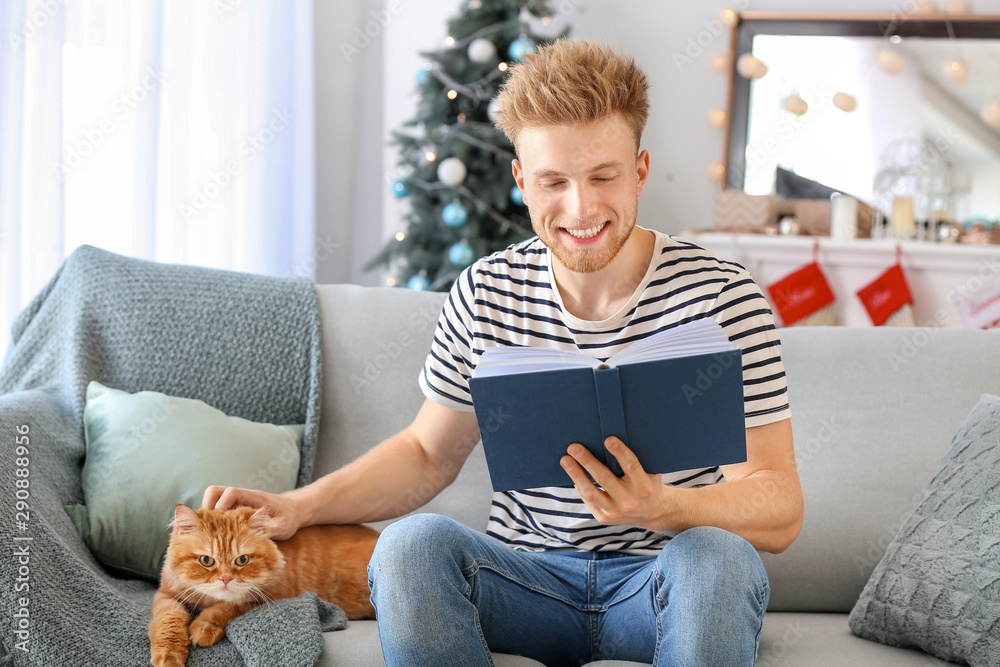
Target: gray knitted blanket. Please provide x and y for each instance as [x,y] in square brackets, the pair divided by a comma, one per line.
[248,345]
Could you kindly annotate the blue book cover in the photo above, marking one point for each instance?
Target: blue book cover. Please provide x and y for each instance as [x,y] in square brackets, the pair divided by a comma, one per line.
[674,398]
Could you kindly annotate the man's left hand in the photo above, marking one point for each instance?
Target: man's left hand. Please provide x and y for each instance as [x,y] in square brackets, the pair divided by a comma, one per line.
[635,499]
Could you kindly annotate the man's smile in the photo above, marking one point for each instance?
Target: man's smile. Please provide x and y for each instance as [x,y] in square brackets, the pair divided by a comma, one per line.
[587,232]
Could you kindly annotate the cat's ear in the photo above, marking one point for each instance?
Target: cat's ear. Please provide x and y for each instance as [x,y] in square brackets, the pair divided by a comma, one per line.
[261,521]
[185,520]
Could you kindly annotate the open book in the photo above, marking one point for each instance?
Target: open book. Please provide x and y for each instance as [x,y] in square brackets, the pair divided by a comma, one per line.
[674,398]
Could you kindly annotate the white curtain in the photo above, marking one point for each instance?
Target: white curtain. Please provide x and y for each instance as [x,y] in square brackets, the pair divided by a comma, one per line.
[173,130]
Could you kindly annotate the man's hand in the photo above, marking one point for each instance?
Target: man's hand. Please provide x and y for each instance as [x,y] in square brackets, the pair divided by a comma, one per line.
[761,500]
[283,510]
[634,499]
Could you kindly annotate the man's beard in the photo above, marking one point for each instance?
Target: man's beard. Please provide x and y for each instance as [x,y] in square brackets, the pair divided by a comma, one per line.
[590,260]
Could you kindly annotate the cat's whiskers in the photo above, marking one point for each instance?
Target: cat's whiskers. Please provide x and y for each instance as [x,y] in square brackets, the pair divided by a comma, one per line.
[258,594]
[193,597]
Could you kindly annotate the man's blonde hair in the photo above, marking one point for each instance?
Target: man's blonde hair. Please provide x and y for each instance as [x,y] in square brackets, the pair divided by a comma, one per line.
[572,82]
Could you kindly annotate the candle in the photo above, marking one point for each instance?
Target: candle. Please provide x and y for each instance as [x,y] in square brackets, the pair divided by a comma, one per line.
[902,217]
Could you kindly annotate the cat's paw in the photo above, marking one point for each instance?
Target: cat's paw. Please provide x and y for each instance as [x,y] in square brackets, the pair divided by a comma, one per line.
[169,656]
[204,633]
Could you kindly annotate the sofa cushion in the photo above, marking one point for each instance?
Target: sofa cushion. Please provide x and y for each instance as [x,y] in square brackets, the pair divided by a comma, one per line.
[938,585]
[146,451]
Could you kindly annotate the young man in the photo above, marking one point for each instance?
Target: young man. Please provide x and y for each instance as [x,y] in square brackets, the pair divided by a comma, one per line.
[650,568]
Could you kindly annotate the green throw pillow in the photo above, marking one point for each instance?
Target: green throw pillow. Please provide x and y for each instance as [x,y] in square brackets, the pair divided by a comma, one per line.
[146,451]
[938,586]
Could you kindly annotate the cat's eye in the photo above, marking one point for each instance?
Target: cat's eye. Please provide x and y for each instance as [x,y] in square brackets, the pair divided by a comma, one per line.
[207,561]
[242,559]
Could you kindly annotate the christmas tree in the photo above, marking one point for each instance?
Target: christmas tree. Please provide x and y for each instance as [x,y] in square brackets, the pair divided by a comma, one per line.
[454,165]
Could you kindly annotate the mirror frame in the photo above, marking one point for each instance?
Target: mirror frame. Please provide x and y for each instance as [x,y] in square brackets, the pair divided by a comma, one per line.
[751,24]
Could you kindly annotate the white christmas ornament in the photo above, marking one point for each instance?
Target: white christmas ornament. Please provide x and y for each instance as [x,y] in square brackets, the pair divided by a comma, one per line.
[482,50]
[844,102]
[796,105]
[491,110]
[750,67]
[451,171]
[890,61]
[990,114]
[956,71]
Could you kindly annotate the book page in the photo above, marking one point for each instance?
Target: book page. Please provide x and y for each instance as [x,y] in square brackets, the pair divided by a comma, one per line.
[703,336]
[687,340]
[507,360]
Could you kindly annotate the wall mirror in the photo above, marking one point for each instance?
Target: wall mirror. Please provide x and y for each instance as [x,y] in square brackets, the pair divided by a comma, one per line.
[912,119]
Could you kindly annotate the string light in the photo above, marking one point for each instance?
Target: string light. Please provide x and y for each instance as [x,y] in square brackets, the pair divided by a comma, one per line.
[750,67]
[890,61]
[390,282]
[449,40]
[845,102]
[956,71]
[461,118]
[502,67]
[716,119]
[720,62]
[990,113]
[430,156]
[400,236]
[716,173]
[796,105]
[727,17]
[452,94]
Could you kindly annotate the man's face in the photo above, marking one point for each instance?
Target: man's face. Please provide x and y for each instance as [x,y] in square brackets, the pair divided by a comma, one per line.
[581,184]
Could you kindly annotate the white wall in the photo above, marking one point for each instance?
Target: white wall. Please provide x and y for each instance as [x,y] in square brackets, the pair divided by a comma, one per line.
[681,144]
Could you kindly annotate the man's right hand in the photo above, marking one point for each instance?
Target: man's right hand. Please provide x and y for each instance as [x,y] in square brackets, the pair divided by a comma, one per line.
[283,509]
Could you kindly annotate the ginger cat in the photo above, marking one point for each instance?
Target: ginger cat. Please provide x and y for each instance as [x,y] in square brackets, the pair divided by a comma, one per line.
[221,564]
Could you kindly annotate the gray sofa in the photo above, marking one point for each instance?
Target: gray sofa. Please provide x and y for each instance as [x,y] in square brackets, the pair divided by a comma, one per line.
[874,412]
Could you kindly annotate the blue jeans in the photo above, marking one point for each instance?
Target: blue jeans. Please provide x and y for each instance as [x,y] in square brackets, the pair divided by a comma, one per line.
[445,594]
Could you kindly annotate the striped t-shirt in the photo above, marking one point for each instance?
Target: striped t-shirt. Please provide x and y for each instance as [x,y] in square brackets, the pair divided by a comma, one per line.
[509,298]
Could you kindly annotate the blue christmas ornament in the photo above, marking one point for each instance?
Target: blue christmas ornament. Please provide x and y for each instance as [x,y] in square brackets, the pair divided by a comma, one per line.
[516,196]
[455,214]
[422,76]
[520,47]
[419,282]
[461,254]
[400,188]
